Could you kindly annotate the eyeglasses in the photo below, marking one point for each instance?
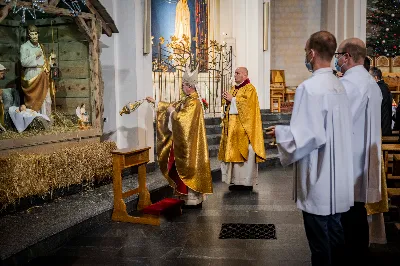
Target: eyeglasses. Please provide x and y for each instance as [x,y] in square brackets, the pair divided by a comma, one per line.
[337,54]
[342,53]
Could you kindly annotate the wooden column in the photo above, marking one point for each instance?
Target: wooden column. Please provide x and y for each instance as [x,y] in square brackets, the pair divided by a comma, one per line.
[96,84]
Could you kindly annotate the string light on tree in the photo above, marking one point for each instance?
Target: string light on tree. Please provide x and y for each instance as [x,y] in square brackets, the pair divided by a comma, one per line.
[383,24]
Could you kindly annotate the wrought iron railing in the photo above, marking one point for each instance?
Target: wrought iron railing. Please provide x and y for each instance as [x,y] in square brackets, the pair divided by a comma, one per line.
[215,70]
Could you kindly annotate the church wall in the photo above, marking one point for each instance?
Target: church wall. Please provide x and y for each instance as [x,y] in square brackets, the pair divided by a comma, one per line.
[292,22]
[241,26]
[345,19]
[127,77]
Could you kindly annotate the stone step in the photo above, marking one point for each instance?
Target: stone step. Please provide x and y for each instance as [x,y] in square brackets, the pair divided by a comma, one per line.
[275,116]
[212,121]
[270,149]
[217,129]
[213,129]
[264,117]
[214,139]
[266,124]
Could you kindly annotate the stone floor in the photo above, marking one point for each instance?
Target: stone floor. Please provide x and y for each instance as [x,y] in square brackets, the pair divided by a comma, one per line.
[192,238]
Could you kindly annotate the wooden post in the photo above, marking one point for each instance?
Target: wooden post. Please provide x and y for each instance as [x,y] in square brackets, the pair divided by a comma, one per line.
[105,27]
[95,76]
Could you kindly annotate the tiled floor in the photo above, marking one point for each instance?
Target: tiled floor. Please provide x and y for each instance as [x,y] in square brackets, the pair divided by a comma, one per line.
[192,239]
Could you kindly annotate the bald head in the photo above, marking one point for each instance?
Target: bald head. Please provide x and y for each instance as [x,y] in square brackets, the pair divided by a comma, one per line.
[241,74]
[355,48]
[243,70]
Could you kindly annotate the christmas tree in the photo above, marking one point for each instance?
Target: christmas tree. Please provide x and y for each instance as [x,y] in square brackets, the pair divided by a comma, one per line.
[383,27]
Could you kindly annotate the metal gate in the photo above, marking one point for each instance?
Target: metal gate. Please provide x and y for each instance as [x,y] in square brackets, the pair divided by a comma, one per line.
[215,70]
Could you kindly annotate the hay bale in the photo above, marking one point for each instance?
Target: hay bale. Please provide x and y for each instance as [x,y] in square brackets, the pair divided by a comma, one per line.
[25,175]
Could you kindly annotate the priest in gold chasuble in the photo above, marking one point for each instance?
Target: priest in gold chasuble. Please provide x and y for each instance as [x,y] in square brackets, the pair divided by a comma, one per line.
[242,141]
[182,143]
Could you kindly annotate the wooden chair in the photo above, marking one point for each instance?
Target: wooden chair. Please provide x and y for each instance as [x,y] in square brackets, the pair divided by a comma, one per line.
[275,104]
[383,63]
[396,64]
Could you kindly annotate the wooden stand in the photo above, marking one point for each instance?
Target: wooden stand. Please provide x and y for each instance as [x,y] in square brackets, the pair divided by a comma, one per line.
[122,159]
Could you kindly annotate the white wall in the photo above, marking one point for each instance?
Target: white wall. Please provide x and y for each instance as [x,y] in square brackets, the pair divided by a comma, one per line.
[241,25]
[127,77]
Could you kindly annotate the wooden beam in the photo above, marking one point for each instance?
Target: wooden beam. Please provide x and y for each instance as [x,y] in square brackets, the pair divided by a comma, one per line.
[4,12]
[96,81]
[84,28]
[52,10]
[53,2]
[104,25]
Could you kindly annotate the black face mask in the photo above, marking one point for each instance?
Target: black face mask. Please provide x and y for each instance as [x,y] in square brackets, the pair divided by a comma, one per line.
[3,77]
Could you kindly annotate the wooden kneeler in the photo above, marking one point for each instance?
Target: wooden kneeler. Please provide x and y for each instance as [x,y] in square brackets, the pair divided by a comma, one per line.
[125,158]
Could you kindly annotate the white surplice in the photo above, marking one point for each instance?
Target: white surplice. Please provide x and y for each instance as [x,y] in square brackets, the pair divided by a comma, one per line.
[318,141]
[245,173]
[365,98]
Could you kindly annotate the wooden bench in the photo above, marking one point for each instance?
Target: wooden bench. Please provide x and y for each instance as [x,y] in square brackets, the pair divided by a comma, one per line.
[390,139]
[125,158]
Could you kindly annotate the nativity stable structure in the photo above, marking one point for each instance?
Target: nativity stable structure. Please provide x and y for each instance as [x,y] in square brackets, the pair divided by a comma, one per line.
[71,30]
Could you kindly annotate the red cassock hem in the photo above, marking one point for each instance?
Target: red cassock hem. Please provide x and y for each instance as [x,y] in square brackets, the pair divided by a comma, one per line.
[181,188]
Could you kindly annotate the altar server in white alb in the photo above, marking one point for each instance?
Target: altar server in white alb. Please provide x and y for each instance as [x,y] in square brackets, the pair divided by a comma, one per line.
[365,99]
[318,142]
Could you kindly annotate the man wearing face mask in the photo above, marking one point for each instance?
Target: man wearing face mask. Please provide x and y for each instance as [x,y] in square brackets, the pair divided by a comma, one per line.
[317,141]
[182,144]
[365,99]
[36,77]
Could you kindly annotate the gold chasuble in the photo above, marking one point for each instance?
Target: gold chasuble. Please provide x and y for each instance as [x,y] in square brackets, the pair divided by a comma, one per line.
[243,129]
[35,89]
[186,146]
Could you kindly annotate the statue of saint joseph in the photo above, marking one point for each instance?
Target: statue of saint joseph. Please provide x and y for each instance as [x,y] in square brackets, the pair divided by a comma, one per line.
[35,78]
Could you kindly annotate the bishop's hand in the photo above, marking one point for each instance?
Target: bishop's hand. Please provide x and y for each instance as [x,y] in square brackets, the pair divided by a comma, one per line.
[170,109]
[150,100]
[227,96]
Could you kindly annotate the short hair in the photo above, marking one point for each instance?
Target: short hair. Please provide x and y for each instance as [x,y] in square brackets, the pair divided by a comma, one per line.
[367,64]
[324,43]
[32,28]
[356,51]
[376,72]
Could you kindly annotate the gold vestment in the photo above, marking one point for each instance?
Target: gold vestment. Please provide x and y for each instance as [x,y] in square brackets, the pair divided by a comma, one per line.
[243,129]
[190,143]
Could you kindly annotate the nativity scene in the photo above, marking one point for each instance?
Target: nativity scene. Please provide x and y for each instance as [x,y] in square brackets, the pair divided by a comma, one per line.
[155,132]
